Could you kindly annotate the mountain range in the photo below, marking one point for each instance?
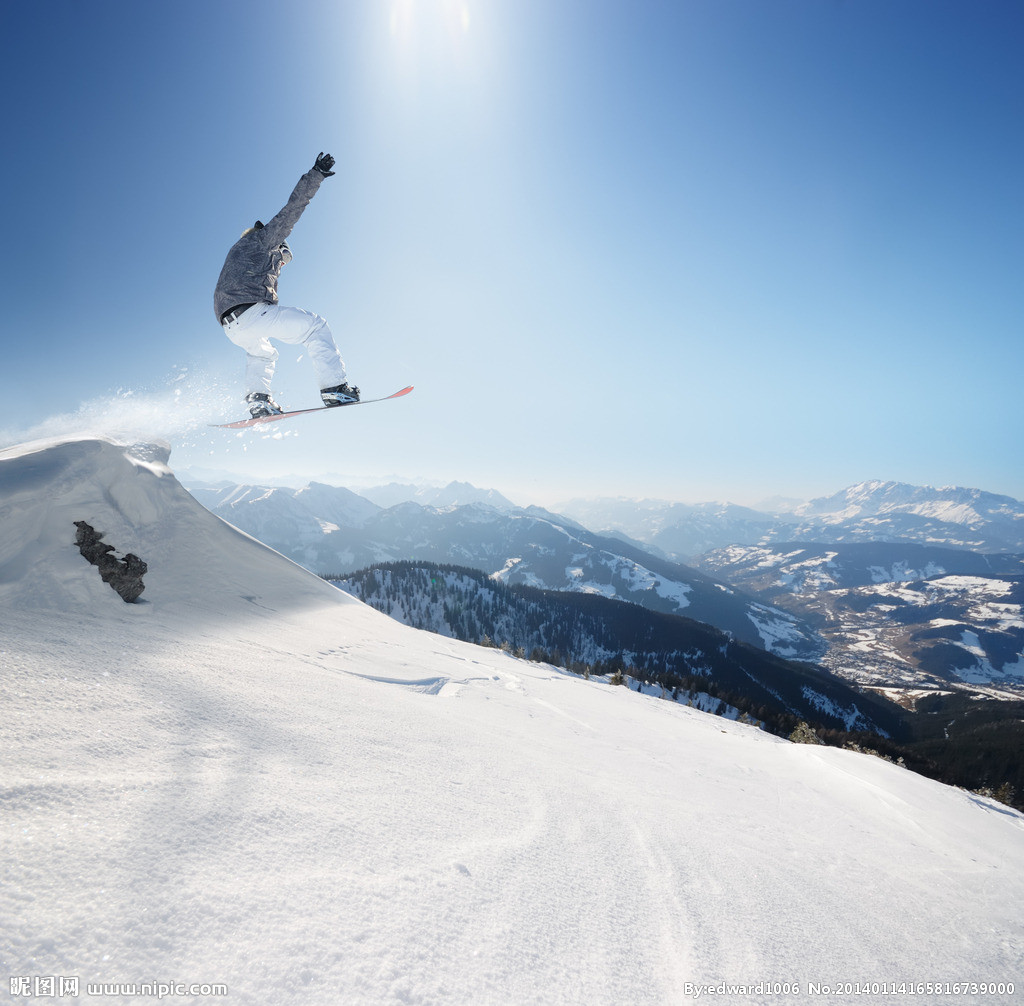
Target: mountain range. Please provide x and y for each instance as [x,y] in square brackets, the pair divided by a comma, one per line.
[333,531]
[875,511]
[786,597]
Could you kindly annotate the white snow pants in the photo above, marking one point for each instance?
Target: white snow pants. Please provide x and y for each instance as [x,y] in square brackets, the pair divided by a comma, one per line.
[254,329]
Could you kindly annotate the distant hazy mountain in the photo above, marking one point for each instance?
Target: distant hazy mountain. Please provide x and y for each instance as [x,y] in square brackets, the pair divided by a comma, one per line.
[893,511]
[870,511]
[678,530]
[453,494]
[293,521]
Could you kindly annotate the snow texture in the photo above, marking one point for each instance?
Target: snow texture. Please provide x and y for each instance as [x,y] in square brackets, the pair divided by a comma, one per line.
[250,778]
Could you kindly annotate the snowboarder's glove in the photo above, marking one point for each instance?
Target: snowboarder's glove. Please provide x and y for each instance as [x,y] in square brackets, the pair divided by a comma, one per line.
[324,163]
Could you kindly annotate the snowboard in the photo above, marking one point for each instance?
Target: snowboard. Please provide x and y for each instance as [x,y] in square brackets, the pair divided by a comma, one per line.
[301,412]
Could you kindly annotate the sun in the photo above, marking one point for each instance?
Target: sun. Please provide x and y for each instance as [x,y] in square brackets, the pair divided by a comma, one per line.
[417,19]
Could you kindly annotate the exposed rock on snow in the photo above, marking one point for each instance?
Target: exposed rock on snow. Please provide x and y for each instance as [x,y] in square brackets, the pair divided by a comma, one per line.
[124,575]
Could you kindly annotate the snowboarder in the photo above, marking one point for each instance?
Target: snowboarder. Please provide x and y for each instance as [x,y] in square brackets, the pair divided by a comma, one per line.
[246,304]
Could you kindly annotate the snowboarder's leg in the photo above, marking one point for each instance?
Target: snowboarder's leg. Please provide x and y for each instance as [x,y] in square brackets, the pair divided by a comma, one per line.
[261,357]
[259,369]
[303,328]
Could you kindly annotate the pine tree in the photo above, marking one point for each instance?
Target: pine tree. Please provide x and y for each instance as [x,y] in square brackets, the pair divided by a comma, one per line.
[803,734]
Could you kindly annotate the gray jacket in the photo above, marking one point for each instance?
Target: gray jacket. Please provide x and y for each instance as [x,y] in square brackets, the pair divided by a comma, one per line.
[255,261]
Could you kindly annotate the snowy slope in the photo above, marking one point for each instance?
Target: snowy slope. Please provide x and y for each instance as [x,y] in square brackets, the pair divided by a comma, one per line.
[250,778]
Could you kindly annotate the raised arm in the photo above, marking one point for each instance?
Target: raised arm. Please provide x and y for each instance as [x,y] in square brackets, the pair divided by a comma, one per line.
[280,226]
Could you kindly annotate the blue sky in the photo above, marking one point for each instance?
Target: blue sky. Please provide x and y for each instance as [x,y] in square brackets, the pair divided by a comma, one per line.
[721,249]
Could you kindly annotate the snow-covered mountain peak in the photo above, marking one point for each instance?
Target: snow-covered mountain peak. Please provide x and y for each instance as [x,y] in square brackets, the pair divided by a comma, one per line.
[452,494]
[459,493]
[335,501]
[863,498]
[952,504]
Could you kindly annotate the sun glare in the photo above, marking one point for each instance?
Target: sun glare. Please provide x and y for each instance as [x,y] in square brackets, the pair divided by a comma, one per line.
[434,44]
[431,67]
[417,19]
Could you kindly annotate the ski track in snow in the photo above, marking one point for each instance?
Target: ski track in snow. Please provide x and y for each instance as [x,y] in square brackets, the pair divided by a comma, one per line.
[251,778]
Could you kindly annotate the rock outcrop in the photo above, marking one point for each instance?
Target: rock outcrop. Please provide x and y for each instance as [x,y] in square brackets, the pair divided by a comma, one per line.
[124,575]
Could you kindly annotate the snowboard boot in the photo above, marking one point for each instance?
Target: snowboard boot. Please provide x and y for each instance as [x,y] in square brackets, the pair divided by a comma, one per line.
[340,394]
[261,404]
